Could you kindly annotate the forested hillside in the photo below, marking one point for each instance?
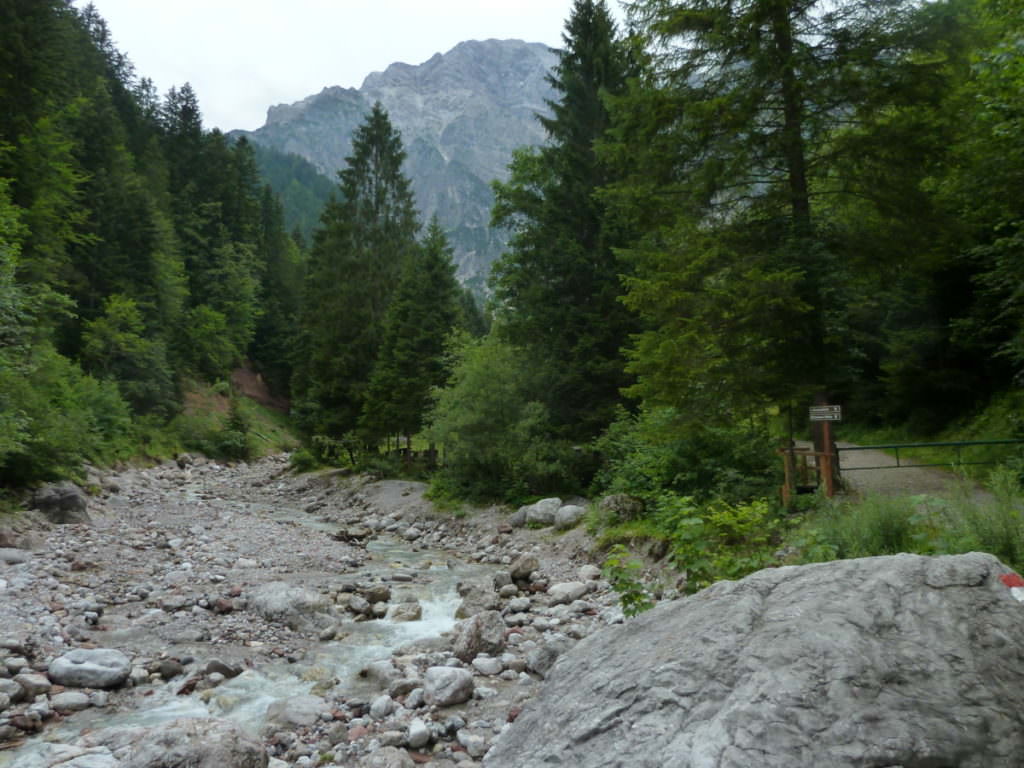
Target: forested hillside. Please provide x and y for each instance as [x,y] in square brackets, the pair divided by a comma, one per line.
[138,251]
[739,208]
[742,207]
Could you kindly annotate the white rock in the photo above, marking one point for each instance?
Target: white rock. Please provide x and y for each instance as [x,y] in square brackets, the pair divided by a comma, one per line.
[589,572]
[488,665]
[418,734]
[381,707]
[70,701]
[90,668]
[567,592]
[445,686]
[543,511]
[568,516]
[295,711]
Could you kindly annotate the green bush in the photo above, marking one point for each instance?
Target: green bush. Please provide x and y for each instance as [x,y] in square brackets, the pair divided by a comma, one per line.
[58,417]
[718,540]
[303,460]
[623,573]
[114,346]
[655,451]
[497,440]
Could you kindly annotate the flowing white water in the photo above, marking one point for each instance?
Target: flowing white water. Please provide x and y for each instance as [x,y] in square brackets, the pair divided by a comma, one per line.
[245,699]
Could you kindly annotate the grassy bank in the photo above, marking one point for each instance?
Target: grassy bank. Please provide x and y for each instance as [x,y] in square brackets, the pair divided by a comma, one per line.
[218,424]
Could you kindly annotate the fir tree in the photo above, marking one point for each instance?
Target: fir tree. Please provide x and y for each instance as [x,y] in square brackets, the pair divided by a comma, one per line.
[355,262]
[419,320]
[557,287]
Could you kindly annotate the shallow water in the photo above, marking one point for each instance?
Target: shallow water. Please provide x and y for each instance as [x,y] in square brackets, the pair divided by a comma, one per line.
[245,699]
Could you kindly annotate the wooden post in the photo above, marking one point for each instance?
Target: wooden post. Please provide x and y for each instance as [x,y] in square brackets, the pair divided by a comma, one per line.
[825,472]
[831,465]
[789,470]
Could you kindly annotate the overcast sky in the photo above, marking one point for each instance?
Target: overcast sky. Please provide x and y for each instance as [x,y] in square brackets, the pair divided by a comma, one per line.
[242,56]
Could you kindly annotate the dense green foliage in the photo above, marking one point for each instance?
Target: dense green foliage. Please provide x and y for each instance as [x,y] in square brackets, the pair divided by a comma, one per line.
[137,250]
[557,288]
[496,437]
[357,257]
[302,189]
[411,362]
[756,204]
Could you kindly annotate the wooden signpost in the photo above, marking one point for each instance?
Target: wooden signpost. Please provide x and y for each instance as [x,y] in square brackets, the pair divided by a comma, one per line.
[826,460]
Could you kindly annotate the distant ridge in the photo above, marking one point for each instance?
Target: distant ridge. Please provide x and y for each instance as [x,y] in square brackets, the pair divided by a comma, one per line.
[461,115]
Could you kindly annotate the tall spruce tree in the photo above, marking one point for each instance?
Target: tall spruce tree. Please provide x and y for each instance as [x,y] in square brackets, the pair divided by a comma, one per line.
[557,286]
[282,263]
[355,262]
[411,363]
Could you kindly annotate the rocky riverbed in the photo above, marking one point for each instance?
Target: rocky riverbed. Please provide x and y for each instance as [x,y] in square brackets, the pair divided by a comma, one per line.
[307,620]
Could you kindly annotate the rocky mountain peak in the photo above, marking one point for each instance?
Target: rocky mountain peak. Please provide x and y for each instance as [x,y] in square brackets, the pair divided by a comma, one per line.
[461,115]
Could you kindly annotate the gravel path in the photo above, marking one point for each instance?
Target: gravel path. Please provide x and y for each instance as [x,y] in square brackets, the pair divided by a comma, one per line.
[871,472]
[890,480]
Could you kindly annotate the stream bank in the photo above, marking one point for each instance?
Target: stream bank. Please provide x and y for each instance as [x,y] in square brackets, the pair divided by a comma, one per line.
[316,612]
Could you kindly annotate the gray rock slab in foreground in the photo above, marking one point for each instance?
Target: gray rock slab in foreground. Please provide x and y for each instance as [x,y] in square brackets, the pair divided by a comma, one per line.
[183,743]
[888,661]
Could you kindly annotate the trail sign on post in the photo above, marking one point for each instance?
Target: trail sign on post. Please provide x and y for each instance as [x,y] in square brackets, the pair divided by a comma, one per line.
[826,413]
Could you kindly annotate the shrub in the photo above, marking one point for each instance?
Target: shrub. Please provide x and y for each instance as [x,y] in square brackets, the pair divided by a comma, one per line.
[719,539]
[303,460]
[62,417]
[623,573]
[497,440]
[232,442]
[655,451]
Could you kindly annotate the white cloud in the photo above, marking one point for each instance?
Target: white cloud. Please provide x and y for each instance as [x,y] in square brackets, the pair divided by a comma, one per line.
[242,57]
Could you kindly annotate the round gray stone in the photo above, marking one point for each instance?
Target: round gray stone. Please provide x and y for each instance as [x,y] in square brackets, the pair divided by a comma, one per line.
[70,701]
[446,686]
[90,668]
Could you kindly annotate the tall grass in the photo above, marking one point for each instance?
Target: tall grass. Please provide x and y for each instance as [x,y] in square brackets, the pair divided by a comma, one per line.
[874,526]
[966,521]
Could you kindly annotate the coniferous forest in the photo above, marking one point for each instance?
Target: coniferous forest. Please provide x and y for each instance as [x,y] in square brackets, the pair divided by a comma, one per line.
[741,207]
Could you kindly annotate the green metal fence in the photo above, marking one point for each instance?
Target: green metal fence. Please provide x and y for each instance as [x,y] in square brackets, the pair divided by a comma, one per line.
[895,447]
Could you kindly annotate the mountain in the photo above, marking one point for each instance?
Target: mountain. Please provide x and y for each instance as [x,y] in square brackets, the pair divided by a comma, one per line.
[461,114]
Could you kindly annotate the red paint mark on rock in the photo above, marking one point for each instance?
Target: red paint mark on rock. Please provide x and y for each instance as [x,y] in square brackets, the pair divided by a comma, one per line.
[1012,580]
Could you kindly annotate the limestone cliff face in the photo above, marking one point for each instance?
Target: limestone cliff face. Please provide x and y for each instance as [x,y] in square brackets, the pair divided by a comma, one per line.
[461,114]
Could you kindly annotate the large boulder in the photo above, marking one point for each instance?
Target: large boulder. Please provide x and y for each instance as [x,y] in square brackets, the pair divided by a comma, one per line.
[886,661]
[568,516]
[182,743]
[90,668]
[543,512]
[483,633]
[297,607]
[62,503]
